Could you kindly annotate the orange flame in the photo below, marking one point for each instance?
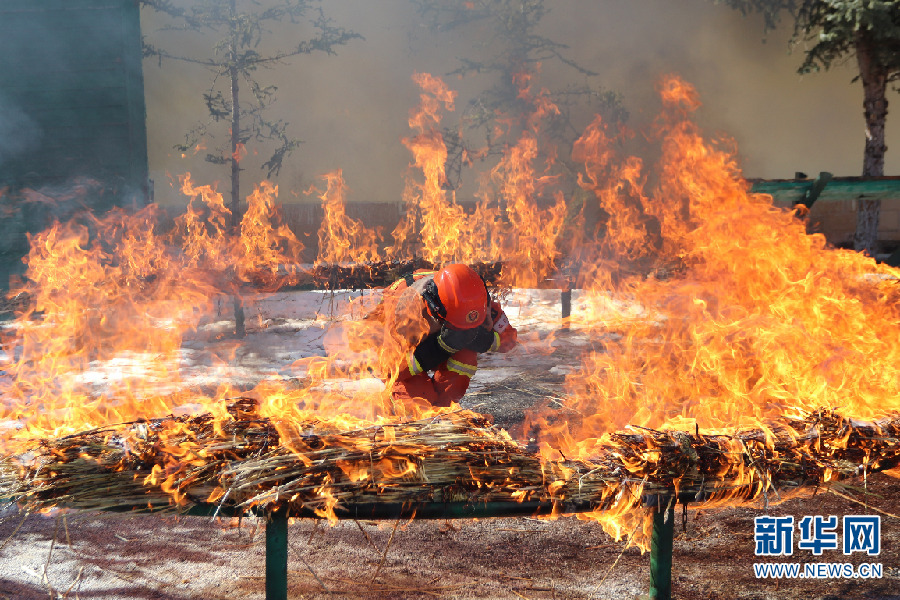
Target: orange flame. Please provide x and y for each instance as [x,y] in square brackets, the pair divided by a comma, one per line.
[726,313]
[116,291]
[506,223]
[240,151]
[342,239]
[750,318]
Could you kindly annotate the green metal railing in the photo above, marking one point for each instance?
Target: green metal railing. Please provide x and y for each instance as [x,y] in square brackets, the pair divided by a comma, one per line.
[277,555]
[661,544]
[277,530]
[827,188]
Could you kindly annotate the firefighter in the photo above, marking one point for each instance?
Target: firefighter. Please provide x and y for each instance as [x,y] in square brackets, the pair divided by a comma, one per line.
[462,322]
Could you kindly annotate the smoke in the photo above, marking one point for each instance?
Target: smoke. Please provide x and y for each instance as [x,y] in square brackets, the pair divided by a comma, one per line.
[351,109]
[19,133]
[69,97]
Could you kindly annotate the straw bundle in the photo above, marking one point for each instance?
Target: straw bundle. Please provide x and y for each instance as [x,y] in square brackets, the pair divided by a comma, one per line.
[244,462]
[329,276]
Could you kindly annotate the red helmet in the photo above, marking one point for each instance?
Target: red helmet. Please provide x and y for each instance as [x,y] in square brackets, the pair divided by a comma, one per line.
[462,299]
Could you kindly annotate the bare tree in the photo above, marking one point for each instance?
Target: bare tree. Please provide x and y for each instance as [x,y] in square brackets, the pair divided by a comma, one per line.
[240,29]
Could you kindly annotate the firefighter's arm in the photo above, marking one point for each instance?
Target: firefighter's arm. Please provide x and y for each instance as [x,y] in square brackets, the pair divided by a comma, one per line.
[437,348]
[425,357]
[407,315]
[452,381]
[506,336]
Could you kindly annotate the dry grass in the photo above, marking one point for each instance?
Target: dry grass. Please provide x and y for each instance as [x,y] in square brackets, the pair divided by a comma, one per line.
[245,463]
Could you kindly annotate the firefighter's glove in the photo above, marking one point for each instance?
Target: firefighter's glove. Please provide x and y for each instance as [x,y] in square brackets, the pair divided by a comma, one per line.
[507,336]
[509,339]
[478,339]
[454,340]
[485,340]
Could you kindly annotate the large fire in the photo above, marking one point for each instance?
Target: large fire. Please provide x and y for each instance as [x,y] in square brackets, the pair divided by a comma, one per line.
[718,311]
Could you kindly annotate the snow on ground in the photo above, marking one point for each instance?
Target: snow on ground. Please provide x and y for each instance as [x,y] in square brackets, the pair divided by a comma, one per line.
[289,326]
[286,327]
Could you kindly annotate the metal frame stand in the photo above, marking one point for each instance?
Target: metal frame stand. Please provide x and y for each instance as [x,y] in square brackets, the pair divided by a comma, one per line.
[661,542]
[565,302]
[661,551]
[277,555]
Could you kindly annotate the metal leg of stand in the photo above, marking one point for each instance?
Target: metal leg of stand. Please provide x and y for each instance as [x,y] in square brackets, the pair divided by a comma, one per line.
[276,555]
[661,553]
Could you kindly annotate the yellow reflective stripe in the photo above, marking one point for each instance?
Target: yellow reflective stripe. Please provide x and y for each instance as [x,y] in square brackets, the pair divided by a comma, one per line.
[462,368]
[414,367]
[496,345]
[446,347]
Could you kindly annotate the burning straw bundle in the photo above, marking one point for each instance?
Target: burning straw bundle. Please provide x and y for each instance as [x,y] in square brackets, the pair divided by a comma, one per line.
[328,276]
[244,463]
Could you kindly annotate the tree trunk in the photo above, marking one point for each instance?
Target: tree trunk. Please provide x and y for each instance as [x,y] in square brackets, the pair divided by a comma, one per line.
[237,301]
[235,150]
[874,80]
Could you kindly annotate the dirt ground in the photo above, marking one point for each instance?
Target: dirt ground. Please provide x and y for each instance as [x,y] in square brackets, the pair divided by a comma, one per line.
[112,557]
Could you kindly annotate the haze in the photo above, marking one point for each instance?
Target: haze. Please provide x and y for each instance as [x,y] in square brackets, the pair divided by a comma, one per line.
[351,109]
